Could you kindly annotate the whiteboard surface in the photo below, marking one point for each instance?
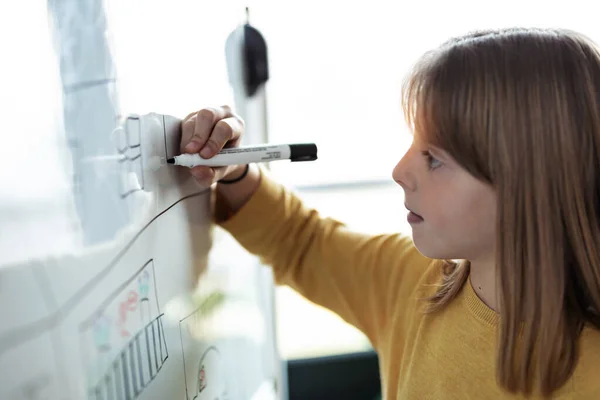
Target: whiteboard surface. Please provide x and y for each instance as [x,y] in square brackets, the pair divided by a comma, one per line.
[153,301]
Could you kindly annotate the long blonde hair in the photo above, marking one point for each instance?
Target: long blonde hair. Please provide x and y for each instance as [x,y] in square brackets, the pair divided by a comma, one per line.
[519,109]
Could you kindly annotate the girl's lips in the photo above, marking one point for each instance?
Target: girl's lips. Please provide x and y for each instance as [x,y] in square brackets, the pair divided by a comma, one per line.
[413,218]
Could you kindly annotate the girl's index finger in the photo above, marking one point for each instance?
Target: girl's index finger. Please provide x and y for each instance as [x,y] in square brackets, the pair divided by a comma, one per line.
[225,131]
[205,120]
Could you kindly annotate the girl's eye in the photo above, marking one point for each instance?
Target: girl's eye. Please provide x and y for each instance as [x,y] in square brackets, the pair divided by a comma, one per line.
[432,162]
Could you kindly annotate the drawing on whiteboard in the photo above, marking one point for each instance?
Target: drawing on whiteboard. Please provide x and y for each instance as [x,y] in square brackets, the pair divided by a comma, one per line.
[13,337]
[209,359]
[129,145]
[204,379]
[123,341]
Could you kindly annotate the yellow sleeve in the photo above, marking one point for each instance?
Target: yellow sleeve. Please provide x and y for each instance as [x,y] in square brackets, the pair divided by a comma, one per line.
[362,278]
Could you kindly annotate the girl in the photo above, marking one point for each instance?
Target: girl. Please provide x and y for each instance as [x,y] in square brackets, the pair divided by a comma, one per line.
[504,175]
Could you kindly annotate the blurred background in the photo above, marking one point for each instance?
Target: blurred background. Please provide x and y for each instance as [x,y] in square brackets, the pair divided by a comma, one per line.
[336,71]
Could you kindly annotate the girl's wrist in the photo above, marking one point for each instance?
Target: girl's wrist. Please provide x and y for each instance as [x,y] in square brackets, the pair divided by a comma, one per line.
[236,173]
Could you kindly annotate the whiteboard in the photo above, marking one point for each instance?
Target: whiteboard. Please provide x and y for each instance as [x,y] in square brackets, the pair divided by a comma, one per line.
[156,301]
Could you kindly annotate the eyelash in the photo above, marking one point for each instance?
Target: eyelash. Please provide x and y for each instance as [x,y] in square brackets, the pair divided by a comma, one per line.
[431,159]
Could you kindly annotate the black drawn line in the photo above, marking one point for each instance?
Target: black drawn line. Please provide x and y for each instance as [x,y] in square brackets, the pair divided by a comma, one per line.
[130,358]
[16,336]
[127,158]
[123,368]
[187,395]
[141,160]
[125,377]
[155,290]
[160,343]
[164,341]
[139,360]
[154,348]
[130,192]
[148,349]
[199,386]
[117,379]
[124,149]
[214,348]
[128,146]
[139,132]
[136,390]
[87,84]
[215,295]
[165,135]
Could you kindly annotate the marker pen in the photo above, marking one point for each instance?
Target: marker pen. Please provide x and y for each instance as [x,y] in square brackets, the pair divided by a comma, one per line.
[250,154]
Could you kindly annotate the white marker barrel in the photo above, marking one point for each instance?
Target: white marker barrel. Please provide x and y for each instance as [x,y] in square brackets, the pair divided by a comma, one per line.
[250,154]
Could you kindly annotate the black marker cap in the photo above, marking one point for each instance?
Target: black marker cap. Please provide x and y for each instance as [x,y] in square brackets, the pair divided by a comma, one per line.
[303,152]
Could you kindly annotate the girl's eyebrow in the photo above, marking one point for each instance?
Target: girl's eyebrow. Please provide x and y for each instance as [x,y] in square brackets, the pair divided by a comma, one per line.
[438,153]
[435,151]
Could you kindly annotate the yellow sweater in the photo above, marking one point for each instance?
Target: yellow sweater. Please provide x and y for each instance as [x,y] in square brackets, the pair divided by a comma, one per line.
[374,283]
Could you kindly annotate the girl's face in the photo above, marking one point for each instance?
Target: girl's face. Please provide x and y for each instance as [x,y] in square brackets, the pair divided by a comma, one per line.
[453,214]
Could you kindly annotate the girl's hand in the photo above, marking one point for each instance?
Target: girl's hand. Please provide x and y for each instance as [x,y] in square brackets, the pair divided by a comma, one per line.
[207,132]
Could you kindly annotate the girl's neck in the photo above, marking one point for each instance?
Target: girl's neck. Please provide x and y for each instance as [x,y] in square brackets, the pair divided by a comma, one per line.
[483,280]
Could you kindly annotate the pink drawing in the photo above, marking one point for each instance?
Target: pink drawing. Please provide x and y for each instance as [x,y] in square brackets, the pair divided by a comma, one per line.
[127,306]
